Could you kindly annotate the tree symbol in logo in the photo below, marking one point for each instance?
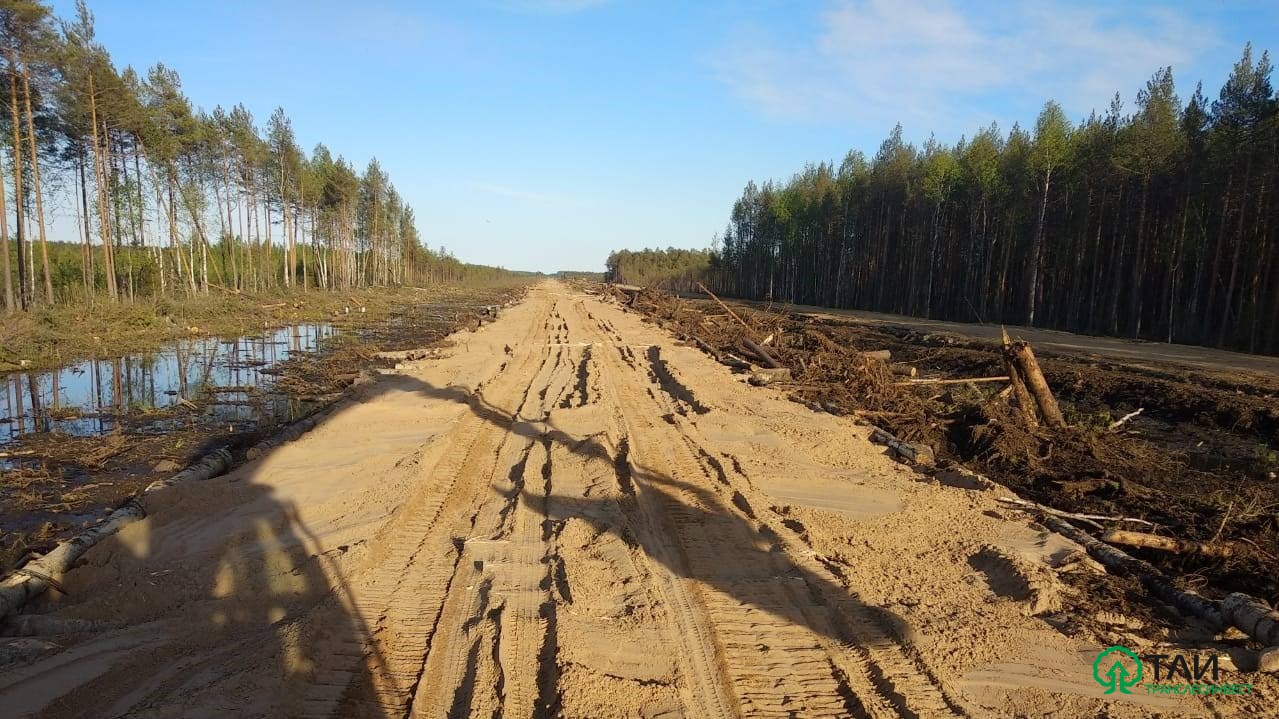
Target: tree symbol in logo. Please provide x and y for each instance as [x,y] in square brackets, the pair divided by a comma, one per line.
[1115,675]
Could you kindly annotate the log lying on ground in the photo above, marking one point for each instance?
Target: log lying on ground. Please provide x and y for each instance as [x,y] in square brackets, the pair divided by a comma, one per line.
[723,306]
[730,360]
[881,355]
[914,452]
[956,380]
[288,434]
[33,578]
[703,346]
[764,357]
[1152,579]
[763,377]
[1170,544]
[1252,616]
[903,370]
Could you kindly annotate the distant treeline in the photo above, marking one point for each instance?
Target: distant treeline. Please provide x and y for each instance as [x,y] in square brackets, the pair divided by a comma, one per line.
[169,198]
[1157,223]
[671,269]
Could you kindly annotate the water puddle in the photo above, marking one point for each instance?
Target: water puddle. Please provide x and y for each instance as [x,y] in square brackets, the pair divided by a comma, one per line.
[89,398]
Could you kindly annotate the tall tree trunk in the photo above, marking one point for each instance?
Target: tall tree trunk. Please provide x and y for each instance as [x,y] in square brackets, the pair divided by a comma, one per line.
[100,174]
[38,190]
[18,194]
[86,270]
[1036,250]
[9,305]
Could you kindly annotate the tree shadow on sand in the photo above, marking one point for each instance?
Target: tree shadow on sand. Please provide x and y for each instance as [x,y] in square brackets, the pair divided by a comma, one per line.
[266,616]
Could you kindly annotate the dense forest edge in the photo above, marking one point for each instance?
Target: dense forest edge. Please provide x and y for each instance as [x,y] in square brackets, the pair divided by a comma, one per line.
[161,198]
[1157,223]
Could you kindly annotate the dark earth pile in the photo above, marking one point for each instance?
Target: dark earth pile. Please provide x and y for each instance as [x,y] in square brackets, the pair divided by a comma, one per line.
[1199,461]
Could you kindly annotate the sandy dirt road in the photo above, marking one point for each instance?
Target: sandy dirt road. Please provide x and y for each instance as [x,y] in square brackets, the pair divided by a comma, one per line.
[571,515]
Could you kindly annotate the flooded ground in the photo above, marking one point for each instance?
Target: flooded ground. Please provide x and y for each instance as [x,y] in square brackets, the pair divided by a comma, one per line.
[83,438]
[89,398]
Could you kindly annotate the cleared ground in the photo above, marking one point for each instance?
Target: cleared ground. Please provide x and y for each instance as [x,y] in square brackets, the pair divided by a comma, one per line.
[571,515]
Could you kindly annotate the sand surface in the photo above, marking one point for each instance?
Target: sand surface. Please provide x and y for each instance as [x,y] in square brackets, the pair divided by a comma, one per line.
[570,514]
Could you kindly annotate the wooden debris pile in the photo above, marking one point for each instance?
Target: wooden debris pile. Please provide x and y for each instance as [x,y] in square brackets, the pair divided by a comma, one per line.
[993,410]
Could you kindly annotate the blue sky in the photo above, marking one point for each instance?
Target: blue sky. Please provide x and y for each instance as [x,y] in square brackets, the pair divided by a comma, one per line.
[541,134]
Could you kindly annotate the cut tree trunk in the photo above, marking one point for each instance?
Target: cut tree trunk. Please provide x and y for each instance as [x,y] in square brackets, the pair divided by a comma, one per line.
[1170,544]
[33,578]
[764,358]
[1024,368]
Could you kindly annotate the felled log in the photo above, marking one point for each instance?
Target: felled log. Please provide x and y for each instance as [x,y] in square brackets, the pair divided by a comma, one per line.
[915,452]
[1252,616]
[703,346]
[724,307]
[957,380]
[1021,395]
[903,370]
[881,355]
[1028,369]
[33,578]
[1124,564]
[764,357]
[734,361]
[763,377]
[1169,544]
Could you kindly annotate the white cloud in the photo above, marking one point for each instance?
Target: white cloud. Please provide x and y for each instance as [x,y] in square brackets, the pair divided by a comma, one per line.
[937,64]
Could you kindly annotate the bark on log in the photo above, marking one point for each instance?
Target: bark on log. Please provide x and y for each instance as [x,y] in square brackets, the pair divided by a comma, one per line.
[764,358]
[734,361]
[903,370]
[701,343]
[33,578]
[915,452]
[1252,616]
[288,434]
[881,355]
[1028,370]
[1020,394]
[1125,564]
[957,380]
[764,377]
[1169,544]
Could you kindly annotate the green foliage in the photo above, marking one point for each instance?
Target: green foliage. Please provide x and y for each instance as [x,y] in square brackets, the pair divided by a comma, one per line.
[672,268]
[1157,224]
[171,199]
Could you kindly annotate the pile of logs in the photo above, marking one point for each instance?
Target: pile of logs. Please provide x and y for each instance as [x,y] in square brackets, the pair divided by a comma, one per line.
[1029,388]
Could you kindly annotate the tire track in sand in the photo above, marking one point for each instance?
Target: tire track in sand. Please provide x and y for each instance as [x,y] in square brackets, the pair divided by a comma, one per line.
[798,646]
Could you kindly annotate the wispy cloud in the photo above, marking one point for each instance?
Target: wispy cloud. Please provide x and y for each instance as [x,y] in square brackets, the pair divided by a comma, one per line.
[519,193]
[933,63]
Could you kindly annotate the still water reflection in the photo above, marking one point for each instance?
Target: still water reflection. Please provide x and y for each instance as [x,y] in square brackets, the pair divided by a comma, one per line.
[87,397]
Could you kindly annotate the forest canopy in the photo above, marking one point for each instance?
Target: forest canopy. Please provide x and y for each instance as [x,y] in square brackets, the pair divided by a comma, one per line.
[672,269]
[167,197]
[1153,222]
